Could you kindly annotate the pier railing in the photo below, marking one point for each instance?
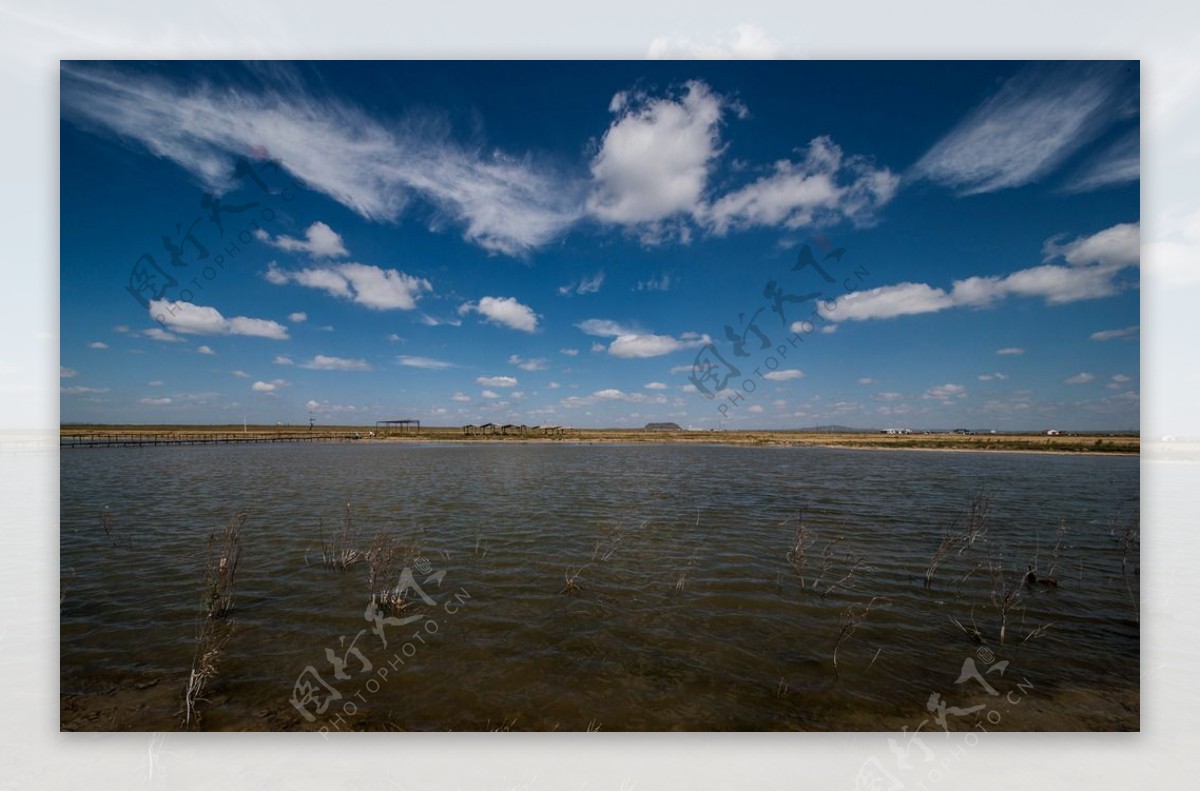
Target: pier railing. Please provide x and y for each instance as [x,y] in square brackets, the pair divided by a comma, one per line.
[135,439]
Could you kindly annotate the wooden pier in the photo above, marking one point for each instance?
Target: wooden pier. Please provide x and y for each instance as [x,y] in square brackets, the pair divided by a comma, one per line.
[123,439]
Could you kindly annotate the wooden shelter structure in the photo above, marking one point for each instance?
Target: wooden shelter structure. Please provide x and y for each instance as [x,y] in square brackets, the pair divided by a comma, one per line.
[402,425]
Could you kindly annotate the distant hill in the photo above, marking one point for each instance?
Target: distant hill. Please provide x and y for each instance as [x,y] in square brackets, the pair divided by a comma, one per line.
[834,429]
[664,427]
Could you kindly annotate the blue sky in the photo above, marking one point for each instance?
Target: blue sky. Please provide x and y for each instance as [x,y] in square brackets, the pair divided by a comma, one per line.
[576,243]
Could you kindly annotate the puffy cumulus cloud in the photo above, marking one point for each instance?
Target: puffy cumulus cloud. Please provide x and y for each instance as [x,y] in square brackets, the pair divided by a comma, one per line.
[364,284]
[97,345]
[613,395]
[460,397]
[65,372]
[503,311]
[783,375]
[320,241]
[268,387]
[328,363]
[283,360]
[489,394]
[204,349]
[415,361]
[654,159]
[1081,378]
[187,318]
[503,202]
[1092,268]
[1030,126]
[569,352]
[497,382]
[297,317]
[946,393]
[631,343]
[823,188]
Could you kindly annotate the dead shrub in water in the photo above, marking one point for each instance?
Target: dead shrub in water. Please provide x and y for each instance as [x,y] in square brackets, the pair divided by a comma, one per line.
[224,553]
[214,628]
[212,634]
[975,527]
[851,618]
[111,533]
[803,541]
[337,547]
[1006,593]
[570,577]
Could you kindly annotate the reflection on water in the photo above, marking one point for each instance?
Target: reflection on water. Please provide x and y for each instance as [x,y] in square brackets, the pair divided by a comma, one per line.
[687,613]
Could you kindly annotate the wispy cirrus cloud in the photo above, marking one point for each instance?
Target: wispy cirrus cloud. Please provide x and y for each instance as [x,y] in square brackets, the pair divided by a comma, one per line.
[415,361]
[589,285]
[364,284]
[187,318]
[1030,126]
[503,202]
[1119,163]
[1109,335]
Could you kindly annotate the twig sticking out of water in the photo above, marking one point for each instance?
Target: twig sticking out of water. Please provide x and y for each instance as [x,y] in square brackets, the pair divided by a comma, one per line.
[851,618]
[973,632]
[337,547]
[1005,593]
[975,529]
[801,542]
[570,578]
[114,537]
[214,628]
[211,636]
[1038,633]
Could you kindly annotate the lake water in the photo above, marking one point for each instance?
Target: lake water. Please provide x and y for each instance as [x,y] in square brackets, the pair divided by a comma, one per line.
[686,615]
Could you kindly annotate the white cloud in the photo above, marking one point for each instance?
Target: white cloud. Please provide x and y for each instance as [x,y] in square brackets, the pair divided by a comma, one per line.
[1010,351]
[1120,163]
[554,386]
[239,373]
[629,343]
[460,397]
[569,352]
[1109,335]
[528,364]
[423,362]
[660,284]
[433,321]
[158,334]
[1120,378]
[824,188]
[154,383]
[205,349]
[120,328]
[655,386]
[583,285]
[320,241]
[327,363]
[489,394]
[298,317]
[888,396]
[183,317]
[756,409]
[155,402]
[503,202]
[1092,266]
[364,284]
[268,387]
[783,375]
[654,159]
[65,372]
[946,393]
[994,376]
[97,345]
[497,382]
[283,360]
[1080,379]
[505,311]
[1031,125]
[866,381]
[77,390]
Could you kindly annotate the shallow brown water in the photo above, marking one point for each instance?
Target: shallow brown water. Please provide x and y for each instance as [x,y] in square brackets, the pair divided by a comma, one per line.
[742,644]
